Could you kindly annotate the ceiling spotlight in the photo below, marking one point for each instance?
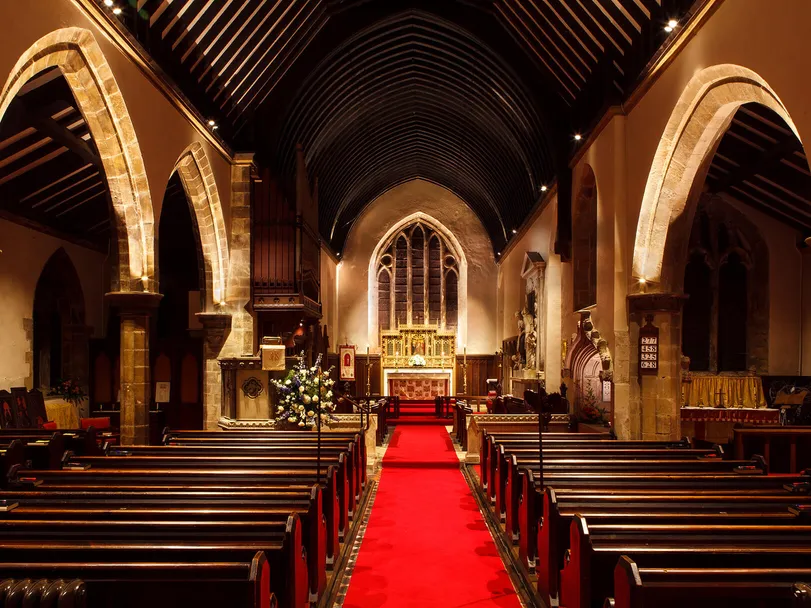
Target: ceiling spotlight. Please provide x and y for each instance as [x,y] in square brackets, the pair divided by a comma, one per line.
[578,137]
[108,2]
[672,23]
[544,188]
[337,255]
[515,231]
[498,253]
[668,29]
[116,11]
[211,123]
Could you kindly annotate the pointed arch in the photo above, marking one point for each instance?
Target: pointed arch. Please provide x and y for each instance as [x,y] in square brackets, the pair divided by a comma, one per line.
[80,60]
[194,169]
[698,122]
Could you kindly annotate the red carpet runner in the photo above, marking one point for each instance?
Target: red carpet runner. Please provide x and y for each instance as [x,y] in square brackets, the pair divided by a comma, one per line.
[426,543]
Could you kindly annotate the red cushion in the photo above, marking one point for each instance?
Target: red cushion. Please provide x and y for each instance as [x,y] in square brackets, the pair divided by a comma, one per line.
[49,426]
[98,423]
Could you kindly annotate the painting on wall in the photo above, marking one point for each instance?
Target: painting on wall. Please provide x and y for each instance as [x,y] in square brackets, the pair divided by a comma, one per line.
[347,356]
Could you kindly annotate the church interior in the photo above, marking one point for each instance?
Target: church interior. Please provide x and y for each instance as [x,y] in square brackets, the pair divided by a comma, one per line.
[405,303]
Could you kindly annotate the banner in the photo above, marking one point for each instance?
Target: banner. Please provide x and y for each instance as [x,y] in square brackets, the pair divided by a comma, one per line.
[347,356]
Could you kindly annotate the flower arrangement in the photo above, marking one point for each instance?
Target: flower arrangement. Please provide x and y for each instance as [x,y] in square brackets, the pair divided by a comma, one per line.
[303,392]
[417,361]
[69,390]
[590,411]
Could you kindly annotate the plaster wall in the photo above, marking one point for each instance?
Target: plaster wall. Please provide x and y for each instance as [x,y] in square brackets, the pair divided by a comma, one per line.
[373,224]
[538,236]
[24,255]
[329,299]
[163,132]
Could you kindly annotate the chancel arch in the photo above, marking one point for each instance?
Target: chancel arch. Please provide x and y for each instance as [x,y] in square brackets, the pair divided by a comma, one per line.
[75,52]
[418,276]
[698,122]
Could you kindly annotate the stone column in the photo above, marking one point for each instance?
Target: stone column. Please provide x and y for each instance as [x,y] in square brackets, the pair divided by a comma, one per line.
[136,310]
[655,400]
[216,327]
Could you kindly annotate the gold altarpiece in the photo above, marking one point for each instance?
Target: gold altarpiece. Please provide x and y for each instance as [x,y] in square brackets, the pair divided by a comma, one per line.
[437,347]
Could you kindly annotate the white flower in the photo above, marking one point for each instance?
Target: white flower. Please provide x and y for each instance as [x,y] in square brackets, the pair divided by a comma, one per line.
[301,389]
[288,381]
[279,409]
[328,395]
[311,413]
[315,399]
[307,399]
[301,423]
[292,419]
[300,408]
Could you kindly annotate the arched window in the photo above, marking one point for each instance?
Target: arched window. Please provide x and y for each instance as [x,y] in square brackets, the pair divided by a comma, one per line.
[417,279]
[725,328]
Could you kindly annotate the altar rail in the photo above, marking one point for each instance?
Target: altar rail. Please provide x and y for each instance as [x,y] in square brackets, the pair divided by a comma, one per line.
[785,449]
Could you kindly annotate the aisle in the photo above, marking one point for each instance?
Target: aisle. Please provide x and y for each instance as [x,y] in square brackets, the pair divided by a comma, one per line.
[426,543]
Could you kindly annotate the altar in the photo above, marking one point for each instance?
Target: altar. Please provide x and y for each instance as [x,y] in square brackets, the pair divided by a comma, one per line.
[417,382]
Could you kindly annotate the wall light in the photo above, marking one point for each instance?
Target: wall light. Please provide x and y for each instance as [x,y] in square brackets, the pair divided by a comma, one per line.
[642,281]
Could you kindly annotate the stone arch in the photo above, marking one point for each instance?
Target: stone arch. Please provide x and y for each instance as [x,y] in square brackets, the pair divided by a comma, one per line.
[584,241]
[80,60]
[194,169]
[457,251]
[696,126]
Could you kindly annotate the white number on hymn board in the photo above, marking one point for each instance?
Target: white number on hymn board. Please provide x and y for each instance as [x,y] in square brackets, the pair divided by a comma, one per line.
[649,364]
[649,340]
[649,349]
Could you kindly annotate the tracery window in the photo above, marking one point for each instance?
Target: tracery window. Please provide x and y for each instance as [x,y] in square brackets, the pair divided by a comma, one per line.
[418,280]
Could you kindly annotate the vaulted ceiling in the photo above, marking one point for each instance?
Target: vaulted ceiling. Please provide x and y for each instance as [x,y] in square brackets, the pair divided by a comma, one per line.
[480,96]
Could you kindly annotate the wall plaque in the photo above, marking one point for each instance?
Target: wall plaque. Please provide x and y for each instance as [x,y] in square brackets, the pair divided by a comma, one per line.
[648,348]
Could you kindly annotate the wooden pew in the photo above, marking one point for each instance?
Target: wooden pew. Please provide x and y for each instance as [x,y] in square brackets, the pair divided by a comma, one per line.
[188,496]
[86,442]
[330,453]
[134,584]
[271,437]
[173,508]
[31,591]
[334,476]
[229,481]
[668,587]
[531,501]
[554,530]
[587,578]
[123,541]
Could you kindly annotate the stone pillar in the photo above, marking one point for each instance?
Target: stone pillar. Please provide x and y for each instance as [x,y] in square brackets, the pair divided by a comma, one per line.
[216,327]
[136,310]
[240,342]
[656,399]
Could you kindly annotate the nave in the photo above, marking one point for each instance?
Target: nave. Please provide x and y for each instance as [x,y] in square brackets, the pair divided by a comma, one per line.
[424,530]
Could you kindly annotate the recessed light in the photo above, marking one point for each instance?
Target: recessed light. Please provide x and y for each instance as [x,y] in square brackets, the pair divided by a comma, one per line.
[578,137]
[672,23]
[668,29]
[498,253]
[544,188]
[211,123]
[116,11]
[515,231]
[108,2]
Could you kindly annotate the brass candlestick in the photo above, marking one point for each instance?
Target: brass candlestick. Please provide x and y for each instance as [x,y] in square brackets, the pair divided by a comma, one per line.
[369,366]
